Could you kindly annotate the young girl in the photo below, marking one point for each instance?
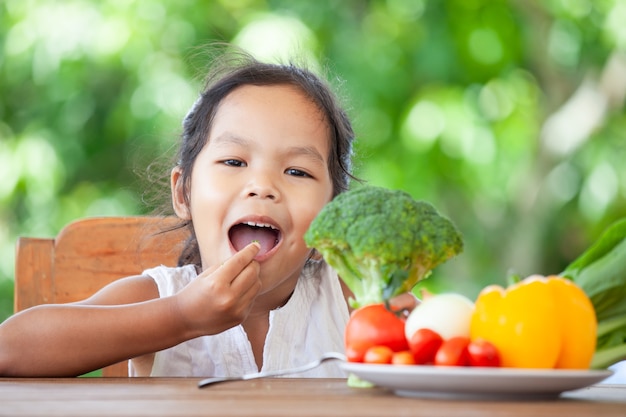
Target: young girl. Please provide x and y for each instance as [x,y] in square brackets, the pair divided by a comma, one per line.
[263,149]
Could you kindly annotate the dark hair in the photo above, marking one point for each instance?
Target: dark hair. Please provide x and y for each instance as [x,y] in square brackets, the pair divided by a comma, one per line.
[239,69]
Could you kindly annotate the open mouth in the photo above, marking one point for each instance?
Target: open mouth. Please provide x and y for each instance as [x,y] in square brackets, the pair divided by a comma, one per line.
[242,234]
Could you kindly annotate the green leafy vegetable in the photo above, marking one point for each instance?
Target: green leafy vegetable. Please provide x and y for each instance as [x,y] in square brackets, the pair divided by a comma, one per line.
[601,272]
[382,242]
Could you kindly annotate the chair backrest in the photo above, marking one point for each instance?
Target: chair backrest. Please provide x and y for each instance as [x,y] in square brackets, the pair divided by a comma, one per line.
[89,254]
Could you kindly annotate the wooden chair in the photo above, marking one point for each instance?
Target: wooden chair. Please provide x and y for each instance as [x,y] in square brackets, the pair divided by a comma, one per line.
[87,255]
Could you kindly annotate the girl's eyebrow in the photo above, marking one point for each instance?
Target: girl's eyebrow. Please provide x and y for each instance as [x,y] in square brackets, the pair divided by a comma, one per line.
[228,138]
[309,152]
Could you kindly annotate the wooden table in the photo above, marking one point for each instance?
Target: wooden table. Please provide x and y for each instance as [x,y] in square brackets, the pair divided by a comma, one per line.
[272,397]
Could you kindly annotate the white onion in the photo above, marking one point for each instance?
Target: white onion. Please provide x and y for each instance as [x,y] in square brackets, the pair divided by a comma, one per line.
[448,314]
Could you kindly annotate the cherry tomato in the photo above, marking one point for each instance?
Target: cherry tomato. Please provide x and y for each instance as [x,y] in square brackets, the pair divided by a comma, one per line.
[355,353]
[483,353]
[424,345]
[403,358]
[378,354]
[373,325]
[453,352]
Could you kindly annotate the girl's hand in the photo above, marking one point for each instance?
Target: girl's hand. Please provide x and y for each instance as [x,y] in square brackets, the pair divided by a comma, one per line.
[404,302]
[221,297]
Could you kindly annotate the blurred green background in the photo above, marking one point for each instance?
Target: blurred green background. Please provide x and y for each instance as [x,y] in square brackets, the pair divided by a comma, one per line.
[509,116]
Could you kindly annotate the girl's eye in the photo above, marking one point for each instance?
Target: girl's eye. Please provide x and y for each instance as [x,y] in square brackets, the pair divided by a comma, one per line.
[297,173]
[234,163]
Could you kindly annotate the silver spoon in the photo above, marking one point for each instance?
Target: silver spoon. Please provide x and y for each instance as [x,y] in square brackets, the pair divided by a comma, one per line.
[269,374]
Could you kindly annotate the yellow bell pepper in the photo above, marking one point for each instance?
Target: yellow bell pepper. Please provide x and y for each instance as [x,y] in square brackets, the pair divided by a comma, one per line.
[539,322]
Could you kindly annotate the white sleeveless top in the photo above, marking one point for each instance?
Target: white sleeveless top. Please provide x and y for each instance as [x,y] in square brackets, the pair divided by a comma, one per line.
[311,323]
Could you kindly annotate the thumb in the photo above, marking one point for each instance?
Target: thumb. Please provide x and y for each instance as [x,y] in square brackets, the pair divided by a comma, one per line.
[239,261]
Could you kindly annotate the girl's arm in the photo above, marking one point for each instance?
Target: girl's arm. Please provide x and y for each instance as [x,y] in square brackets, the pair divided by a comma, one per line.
[125,320]
[71,339]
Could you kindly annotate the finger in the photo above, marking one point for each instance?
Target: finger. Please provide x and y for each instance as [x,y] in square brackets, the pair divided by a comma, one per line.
[247,284]
[239,261]
[247,280]
[404,302]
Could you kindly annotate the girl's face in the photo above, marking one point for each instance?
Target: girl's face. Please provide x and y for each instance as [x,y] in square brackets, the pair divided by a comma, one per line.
[263,175]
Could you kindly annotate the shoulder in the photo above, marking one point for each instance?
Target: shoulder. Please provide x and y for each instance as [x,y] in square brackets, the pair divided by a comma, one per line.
[170,280]
[144,287]
[186,272]
[325,279]
[331,276]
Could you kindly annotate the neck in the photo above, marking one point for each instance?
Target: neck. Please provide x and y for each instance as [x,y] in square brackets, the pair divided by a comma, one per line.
[274,298]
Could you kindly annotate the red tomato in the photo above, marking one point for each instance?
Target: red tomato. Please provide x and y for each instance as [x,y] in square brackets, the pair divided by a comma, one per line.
[483,353]
[453,352]
[378,354]
[373,325]
[403,358]
[424,345]
[355,353]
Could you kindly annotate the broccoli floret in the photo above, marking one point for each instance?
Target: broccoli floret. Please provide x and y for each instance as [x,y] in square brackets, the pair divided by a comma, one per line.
[381,242]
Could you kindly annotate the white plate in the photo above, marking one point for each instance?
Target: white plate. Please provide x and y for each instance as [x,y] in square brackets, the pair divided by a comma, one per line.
[474,382]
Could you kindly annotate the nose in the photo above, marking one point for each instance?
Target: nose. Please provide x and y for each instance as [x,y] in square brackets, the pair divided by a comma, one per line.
[263,187]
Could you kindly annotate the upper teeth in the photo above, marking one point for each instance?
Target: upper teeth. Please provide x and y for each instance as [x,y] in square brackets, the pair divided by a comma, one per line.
[259,225]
